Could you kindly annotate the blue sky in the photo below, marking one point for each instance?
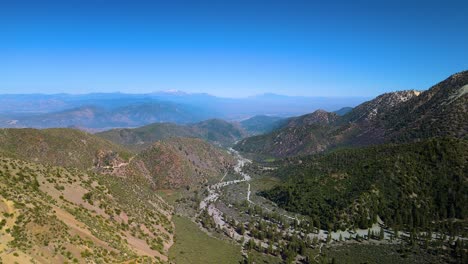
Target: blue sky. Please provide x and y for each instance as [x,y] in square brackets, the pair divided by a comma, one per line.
[230,48]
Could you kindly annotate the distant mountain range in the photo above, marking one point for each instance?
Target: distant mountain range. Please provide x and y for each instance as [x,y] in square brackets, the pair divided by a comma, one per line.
[403,116]
[100,111]
[99,118]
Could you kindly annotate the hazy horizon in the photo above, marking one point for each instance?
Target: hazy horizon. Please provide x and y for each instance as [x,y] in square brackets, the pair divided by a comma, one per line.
[182,93]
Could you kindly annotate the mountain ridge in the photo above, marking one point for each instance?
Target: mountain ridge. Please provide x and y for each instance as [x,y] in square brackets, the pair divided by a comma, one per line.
[216,131]
[402,116]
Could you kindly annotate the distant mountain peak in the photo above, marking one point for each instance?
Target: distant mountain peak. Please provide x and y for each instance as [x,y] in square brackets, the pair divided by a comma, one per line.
[320,111]
[173,92]
[318,117]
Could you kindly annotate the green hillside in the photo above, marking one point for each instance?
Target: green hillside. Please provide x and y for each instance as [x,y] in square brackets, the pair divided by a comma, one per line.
[216,131]
[408,186]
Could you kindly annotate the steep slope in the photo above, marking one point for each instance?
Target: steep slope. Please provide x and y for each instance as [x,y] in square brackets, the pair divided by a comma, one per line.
[403,116]
[369,111]
[319,117]
[262,124]
[216,131]
[181,162]
[363,125]
[56,215]
[305,134]
[59,147]
[407,185]
[440,111]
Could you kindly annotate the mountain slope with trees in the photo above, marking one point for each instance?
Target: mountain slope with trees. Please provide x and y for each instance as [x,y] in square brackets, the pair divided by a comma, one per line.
[216,131]
[416,185]
[404,116]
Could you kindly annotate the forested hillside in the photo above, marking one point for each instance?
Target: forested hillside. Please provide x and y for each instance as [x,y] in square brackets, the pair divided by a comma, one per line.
[409,186]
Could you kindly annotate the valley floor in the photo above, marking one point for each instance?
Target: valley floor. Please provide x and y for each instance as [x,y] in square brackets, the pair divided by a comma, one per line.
[224,221]
[195,246]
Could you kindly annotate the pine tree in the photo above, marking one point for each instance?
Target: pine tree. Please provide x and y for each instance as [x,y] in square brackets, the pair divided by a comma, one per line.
[242,229]
[270,247]
[452,211]
[381,234]
[251,244]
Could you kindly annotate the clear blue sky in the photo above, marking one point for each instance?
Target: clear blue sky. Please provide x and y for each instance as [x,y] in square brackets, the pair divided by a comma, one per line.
[337,48]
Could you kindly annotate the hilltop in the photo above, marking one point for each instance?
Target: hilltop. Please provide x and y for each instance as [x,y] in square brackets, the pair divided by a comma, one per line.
[58,146]
[216,131]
